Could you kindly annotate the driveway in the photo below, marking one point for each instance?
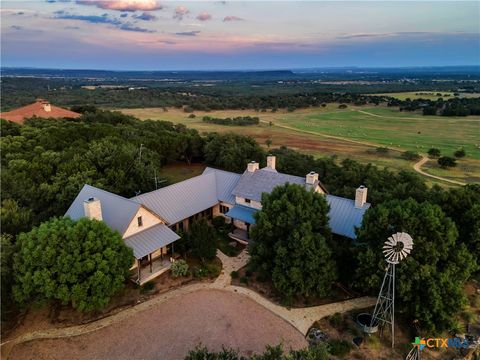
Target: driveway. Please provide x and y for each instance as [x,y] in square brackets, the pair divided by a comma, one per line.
[212,317]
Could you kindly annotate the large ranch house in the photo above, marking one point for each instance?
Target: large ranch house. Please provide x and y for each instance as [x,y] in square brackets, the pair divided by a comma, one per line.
[148,222]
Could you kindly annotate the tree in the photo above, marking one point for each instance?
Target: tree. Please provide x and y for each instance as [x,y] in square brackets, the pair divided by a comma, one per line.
[14,218]
[289,242]
[202,240]
[430,281]
[410,155]
[446,162]
[434,152]
[81,263]
[268,142]
[429,110]
[460,153]
[7,253]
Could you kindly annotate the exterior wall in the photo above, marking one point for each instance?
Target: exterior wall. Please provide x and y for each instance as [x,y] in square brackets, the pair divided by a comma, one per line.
[148,220]
[253,204]
[216,210]
[319,190]
[240,224]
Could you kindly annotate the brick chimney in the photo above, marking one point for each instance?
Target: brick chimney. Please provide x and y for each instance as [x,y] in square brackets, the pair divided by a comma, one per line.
[311,177]
[252,166]
[360,196]
[271,161]
[93,208]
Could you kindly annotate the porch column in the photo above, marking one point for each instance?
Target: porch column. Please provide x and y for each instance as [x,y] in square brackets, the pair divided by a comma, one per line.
[150,258]
[139,271]
[248,230]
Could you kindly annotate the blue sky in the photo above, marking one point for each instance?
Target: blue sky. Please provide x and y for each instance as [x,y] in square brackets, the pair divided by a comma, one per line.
[191,35]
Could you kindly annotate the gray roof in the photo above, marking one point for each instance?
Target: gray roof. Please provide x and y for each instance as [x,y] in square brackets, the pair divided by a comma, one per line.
[182,200]
[151,239]
[253,184]
[117,211]
[225,183]
[344,216]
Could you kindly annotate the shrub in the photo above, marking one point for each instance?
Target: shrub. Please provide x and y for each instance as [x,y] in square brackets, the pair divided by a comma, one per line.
[192,116]
[218,222]
[382,150]
[342,106]
[148,286]
[446,162]
[335,320]
[234,274]
[248,273]
[434,152]
[410,155]
[179,268]
[244,280]
[460,153]
[188,109]
[339,348]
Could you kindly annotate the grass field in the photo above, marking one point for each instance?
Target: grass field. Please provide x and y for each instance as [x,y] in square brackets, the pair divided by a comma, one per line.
[353,133]
[429,95]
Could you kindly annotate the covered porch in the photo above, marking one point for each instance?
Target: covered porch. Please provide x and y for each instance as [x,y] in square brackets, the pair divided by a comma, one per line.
[242,217]
[153,249]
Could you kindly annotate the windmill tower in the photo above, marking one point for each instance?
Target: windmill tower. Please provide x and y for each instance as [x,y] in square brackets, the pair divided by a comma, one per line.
[414,354]
[395,249]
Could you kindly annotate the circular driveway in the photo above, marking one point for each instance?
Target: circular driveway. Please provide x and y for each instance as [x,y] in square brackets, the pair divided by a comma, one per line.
[168,331]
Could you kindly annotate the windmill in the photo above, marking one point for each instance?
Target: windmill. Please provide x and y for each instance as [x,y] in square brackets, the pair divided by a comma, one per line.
[396,248]
[414,354]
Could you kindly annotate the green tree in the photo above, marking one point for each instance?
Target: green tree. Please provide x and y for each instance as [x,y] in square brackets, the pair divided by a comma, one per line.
[434,152]
[289,241]
[430,281]
[460,153]
[446,162]
[14,218]
[268,142]
[81,263]
[7,253]
[202,240]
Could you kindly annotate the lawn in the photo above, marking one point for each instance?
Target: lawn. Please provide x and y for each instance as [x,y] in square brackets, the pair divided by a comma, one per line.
[350,133]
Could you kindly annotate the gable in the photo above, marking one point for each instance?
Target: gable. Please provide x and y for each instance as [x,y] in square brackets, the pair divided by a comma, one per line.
[149,219]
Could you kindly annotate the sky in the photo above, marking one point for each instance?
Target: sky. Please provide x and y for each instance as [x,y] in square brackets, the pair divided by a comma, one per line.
[222,35]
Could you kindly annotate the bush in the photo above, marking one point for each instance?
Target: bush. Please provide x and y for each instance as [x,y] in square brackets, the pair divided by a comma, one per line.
[434,152]
[342,106]
[192,116]
[179,268]
[446,162]
[248,273]
[335,320]
[188,109]
[410,155]
[382,150]
[218,222]
[339,348]
[244,280]
[234,274]
[148,286]
[460,153]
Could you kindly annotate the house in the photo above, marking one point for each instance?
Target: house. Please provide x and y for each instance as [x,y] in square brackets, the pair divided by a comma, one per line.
[148,222]
[40,108]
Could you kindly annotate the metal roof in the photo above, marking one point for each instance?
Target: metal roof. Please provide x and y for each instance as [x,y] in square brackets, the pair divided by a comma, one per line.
[242,213]
[117,211]
[182,200]
[253,184]
[344,216]
[151,239]
[225,183]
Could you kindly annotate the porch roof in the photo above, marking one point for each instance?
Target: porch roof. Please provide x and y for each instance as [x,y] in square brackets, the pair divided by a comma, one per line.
[242,213]
[151,239]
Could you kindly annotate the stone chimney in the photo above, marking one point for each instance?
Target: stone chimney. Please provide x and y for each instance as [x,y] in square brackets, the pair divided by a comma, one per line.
[271,161]
[360,196]
[252,166]
[311,177]
[47,107]
[93,208]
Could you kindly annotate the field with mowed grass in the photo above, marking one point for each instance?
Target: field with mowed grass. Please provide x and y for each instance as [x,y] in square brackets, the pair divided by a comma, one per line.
[354,132]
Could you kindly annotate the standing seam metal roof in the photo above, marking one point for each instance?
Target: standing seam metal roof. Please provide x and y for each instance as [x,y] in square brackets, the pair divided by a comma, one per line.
[151,239]
[117,211]
[225,182]
[344,216]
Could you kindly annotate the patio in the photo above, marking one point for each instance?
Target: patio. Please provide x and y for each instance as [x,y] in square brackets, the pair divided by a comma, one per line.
[151,271]
[239,235]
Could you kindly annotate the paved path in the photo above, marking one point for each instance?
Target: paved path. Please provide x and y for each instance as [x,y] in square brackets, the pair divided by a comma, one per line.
[300,318]
[418,168]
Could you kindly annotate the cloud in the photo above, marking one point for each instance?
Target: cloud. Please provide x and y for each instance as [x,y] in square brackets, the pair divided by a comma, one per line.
[180,12]
[204,16]
[188,33]
[232,18]
[123,5]
[377,35]
[145,16]
[16,27]
[100,19]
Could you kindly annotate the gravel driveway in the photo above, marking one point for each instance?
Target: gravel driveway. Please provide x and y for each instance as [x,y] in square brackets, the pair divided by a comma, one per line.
[167,331]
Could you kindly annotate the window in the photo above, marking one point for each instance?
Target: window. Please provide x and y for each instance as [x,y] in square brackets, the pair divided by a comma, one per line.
[247,201]
[223,209]
[140,221]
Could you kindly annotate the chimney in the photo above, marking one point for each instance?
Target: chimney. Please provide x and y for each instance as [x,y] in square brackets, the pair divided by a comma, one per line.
[252,166]
[360,197]
[93,208]
[311,177]
[46,106]
[271,160]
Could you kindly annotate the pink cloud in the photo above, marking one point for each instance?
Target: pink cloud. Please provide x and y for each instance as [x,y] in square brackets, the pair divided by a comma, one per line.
[123,5]
[180,11]
[204,16]
[232,18]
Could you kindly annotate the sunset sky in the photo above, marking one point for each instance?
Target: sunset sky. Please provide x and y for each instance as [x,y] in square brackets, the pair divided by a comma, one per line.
[191,35]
